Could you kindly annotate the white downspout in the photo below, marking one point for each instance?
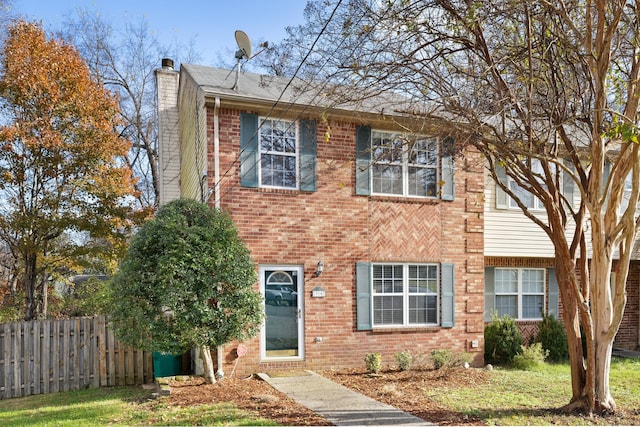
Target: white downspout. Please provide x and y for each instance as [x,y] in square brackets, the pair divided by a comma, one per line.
[216,189]
[216,152]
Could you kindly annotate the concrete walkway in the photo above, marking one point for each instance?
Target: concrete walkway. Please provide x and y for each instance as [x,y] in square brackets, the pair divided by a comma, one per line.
[338,404]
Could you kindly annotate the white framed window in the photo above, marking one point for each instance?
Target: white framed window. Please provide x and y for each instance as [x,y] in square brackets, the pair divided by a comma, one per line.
[529,200]
[405,294]
[279,153]
[520,292]
[404,167]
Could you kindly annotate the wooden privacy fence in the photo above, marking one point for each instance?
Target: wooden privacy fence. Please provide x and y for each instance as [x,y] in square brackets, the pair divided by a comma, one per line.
[48,356]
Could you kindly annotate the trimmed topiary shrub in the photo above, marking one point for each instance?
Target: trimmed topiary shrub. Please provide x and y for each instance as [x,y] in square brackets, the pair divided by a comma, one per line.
[502,340]
[553,337]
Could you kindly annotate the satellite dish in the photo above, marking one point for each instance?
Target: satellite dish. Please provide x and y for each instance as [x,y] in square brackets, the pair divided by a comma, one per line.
[244,45]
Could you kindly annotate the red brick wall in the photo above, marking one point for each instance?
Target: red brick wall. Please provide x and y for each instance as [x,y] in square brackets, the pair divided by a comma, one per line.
[334,225]
[627,336]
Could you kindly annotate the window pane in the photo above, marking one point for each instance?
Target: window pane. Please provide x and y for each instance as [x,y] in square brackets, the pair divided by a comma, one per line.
[507,305]
[423,310]
[532,281]
[266,143]
[506,280]
[522,194]
[423,181]
[424,152]
[278,170]
[387,310]
[387,179]
[278,159]
[423,279]
[289,175]
[387,279]
[532,306]
[386,170]
[267,169]
[387,148]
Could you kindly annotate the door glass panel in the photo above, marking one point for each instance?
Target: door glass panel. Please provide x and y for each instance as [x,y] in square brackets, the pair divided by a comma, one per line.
[281,309]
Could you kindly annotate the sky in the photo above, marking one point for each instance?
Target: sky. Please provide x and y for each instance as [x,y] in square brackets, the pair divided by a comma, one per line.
[210,23]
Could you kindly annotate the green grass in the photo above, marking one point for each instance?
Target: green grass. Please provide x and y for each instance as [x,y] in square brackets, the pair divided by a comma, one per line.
[511,397]
[515,397]
[115,406]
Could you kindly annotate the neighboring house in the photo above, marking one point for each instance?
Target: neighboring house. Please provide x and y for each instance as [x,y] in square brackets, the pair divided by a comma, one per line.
[369,248]
[519,268]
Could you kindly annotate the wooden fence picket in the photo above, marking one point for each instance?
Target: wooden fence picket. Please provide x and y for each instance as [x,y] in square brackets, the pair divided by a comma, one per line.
[50,356]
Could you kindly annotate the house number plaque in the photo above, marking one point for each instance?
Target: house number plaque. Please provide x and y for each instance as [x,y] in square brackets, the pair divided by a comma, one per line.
[318,292]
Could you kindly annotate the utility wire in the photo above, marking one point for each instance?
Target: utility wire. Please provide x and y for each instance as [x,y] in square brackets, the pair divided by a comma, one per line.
[317,92]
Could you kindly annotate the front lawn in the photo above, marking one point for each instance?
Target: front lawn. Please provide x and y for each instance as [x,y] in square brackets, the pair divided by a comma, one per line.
[115,406]
[499,397]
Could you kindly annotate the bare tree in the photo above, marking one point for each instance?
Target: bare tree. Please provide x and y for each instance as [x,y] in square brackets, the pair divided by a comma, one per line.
[548,92]
[124,59]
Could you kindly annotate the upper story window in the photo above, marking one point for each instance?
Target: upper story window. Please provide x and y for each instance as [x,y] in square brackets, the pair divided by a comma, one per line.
[519,292]
[277,153]
[402,167]
[390,163]
[532,203]
[528,199]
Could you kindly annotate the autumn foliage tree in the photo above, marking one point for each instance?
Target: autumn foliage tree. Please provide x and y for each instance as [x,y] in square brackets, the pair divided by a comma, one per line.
[64,190]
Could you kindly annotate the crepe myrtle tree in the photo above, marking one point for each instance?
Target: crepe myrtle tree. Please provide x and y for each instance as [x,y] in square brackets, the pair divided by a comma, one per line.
[186,282]
[548,93]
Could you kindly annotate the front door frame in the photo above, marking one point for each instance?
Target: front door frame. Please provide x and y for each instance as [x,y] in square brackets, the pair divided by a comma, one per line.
[298,270]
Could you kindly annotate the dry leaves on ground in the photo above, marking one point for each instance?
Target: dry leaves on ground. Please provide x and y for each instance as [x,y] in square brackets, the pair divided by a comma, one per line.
[251,395]
[400,389]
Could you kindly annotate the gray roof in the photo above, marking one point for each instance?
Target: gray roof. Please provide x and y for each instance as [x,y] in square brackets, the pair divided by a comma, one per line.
[257,88]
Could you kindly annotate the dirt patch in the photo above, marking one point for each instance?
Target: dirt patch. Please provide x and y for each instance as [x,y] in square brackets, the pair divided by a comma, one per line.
[251,395]
[397,388]
[403,390]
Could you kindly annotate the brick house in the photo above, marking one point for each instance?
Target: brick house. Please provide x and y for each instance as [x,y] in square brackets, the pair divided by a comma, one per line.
[355,252]
[517,250]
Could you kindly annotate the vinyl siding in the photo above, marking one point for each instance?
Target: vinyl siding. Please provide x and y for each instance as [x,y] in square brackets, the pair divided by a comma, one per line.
[508,232]
[168,136]
[193,139]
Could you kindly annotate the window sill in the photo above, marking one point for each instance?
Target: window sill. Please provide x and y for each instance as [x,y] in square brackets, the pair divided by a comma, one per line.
[404,199]
[292,191]
[406,329]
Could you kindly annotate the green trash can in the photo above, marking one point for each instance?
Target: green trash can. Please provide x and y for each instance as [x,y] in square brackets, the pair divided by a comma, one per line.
[166,365]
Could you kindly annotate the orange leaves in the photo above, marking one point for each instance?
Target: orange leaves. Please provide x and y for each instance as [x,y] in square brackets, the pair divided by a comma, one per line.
[60,146]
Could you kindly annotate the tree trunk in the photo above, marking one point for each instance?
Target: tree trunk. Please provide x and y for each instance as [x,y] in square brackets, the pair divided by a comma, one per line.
[13,275]
[209,372]
[44,299]
[567,283]
[604,402]
[30,281]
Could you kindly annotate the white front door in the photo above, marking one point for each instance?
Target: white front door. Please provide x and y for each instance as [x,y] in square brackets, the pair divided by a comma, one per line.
[283,330]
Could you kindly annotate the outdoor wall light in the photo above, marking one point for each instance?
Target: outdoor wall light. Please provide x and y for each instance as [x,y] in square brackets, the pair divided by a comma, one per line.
[320,268]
